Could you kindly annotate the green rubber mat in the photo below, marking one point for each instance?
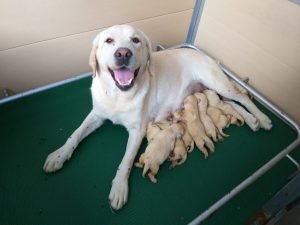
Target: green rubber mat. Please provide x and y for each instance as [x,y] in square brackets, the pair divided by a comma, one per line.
[34,126]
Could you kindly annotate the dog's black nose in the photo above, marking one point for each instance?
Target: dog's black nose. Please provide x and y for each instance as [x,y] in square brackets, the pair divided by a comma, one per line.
[123,56]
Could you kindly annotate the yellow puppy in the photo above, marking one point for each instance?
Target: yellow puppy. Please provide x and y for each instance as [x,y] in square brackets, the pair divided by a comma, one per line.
[215,101]
[194,125]
[152,130]
[187,138]
[159,149]
[209,126]
[219,119]
[179,155]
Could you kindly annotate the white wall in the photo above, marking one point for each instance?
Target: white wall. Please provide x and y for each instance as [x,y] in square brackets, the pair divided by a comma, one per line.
[45,41]
[260,40]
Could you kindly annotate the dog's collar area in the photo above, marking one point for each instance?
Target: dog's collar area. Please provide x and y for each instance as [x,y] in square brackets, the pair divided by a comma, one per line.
[124,70]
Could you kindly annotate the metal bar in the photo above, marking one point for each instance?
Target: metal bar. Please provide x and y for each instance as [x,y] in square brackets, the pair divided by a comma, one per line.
[194,24]
[261,99]
[295,1]
[222,201]
[43,88]
[276,207]
[294,161]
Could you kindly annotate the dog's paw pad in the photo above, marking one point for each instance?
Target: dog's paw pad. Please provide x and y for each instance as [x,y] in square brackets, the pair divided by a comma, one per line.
[55,160]
[265,122]
[118,193]
[252,122]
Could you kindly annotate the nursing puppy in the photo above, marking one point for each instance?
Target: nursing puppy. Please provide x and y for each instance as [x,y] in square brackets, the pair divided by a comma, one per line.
[133,86]
[159,149]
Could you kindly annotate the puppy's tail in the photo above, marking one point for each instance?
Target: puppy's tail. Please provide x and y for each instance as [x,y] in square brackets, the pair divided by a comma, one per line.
[182,160]
[209,144]
[200,145]
[191,147]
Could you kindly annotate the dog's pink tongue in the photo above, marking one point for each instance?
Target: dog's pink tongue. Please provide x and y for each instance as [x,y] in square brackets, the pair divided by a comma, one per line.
[124,76]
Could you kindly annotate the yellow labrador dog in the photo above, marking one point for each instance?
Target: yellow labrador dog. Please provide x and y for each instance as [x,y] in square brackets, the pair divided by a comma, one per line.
[132,86]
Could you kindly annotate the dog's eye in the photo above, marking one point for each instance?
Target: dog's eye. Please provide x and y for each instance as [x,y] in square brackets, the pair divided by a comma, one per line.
[109,40]
[135,40]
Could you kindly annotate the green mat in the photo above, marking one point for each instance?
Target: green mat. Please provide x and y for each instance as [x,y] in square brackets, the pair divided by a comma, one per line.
[34,126]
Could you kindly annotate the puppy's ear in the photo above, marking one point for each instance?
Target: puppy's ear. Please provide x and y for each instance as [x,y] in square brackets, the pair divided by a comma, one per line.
[93,57]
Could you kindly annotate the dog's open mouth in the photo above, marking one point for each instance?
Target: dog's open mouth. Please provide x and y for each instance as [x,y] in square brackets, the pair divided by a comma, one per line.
[124,77]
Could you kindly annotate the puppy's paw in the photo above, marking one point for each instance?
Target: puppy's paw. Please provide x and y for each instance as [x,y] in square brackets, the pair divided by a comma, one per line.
[56,159]
[118,193]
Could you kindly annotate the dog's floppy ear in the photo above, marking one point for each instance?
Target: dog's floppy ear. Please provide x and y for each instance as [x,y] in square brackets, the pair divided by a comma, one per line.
[93,57]
[149,50]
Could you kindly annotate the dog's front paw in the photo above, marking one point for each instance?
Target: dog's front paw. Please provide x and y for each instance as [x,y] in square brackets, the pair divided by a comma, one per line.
[252,122]
[118,193]
[265,122]
[56,159]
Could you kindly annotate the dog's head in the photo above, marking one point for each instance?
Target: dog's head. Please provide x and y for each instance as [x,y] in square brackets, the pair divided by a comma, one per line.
[121,51]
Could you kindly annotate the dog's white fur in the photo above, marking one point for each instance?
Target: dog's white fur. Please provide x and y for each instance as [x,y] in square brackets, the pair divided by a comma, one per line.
[164,79]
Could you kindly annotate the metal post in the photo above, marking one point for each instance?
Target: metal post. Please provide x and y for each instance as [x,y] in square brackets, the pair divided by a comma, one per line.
[197,12]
